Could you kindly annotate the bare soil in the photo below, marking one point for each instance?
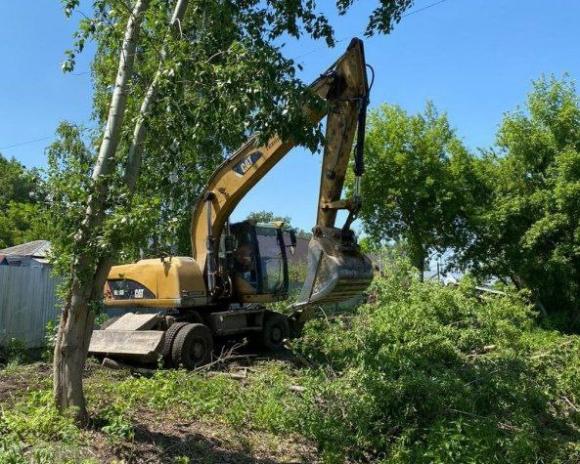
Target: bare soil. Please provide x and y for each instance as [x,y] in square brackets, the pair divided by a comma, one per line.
[160,438]
[16,381]
[165,441]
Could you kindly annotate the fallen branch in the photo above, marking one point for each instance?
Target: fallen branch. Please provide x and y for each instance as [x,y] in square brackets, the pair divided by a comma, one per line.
[115,364]
[548,352]
[226,356]
[297,388]
[570,403]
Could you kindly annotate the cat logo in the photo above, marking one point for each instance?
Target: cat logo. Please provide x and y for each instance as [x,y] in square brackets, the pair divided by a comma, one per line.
[242,167]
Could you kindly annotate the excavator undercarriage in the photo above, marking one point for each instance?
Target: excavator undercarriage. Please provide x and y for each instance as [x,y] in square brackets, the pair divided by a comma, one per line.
[178,305]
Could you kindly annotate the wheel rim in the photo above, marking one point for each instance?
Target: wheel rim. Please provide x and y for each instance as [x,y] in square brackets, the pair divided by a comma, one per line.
[276,334]
[198,349]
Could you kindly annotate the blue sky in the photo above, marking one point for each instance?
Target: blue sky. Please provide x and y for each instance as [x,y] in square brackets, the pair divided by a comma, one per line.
[475,59]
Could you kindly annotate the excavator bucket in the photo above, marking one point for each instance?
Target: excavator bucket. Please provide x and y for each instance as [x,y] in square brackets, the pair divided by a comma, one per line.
[337,270]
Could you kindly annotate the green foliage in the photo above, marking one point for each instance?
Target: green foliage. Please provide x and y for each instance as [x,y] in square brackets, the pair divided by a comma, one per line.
[423,373]
[118,427]
[436,374]
[420,374]
[20,191]
[414,185]
[263,403]
[32,431]
[13,352]
[35,419]
[510,214]
[223,77]
[267,217]
[526,223]
[50,333]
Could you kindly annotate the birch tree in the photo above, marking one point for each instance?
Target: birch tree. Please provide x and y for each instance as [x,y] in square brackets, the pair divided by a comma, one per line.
[192,80]
[87,275]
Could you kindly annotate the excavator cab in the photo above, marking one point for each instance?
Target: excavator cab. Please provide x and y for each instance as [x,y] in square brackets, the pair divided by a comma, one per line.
[259,261]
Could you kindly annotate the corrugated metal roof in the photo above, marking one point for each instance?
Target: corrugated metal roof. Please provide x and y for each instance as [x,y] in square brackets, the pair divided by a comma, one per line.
[36,248]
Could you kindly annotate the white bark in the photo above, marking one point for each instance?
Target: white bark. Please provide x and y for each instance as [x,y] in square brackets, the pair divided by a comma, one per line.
[87,277]
[140,131]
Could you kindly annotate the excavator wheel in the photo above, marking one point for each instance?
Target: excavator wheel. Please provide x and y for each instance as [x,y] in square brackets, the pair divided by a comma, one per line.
[170,335]
[195,318]
[276,329]
[192,347]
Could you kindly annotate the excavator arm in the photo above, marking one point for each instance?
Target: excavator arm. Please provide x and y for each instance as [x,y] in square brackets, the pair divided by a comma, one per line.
[344,86]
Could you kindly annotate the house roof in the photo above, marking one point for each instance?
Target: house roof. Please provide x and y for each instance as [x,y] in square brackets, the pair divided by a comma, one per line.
[36,248]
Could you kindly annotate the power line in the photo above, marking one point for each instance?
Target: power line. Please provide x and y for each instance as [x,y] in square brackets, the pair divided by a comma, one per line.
[412,12]
[27,142]
[426,7]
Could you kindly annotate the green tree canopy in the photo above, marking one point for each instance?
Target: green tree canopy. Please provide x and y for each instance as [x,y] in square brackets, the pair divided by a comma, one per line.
[20,191]
[526,227]
[267,216]
[224,77]
[413,189]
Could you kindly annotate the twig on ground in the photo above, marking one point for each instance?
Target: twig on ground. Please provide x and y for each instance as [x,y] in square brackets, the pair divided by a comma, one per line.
[226,356]
[548,352]
[570,403]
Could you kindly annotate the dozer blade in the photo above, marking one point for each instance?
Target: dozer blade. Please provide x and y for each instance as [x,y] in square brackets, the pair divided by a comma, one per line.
[337,270]
[140,344]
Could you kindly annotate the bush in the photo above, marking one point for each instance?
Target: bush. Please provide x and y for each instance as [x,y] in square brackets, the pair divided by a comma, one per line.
[30,428]
[14,352]
[436,374]
[50,334]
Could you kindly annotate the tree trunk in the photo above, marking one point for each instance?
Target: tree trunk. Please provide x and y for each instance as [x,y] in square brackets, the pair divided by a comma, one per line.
[88,275]
[521,283]
[136,147]
[418,257]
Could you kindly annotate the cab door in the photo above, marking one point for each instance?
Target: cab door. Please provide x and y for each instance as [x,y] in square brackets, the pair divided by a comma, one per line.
[260,268]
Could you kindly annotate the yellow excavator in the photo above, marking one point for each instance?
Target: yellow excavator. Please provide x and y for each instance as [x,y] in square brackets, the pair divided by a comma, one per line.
[178,305]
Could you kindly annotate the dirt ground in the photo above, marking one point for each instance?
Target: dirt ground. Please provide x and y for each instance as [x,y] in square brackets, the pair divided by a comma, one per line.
[16,381]
[160,441]
[160,438]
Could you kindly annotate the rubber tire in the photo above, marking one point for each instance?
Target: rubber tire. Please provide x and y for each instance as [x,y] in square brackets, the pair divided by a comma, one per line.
[169,338]
[109,322]
[183,354]
[276,329]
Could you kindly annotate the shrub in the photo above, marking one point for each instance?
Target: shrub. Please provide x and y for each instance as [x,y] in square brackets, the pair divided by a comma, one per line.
[50,334]
[436,374]
[13,352]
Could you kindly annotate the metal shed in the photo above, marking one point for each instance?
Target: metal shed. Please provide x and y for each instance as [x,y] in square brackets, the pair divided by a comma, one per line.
[27,293]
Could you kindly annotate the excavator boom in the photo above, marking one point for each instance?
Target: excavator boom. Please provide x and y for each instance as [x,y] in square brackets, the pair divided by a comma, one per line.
[337,270]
